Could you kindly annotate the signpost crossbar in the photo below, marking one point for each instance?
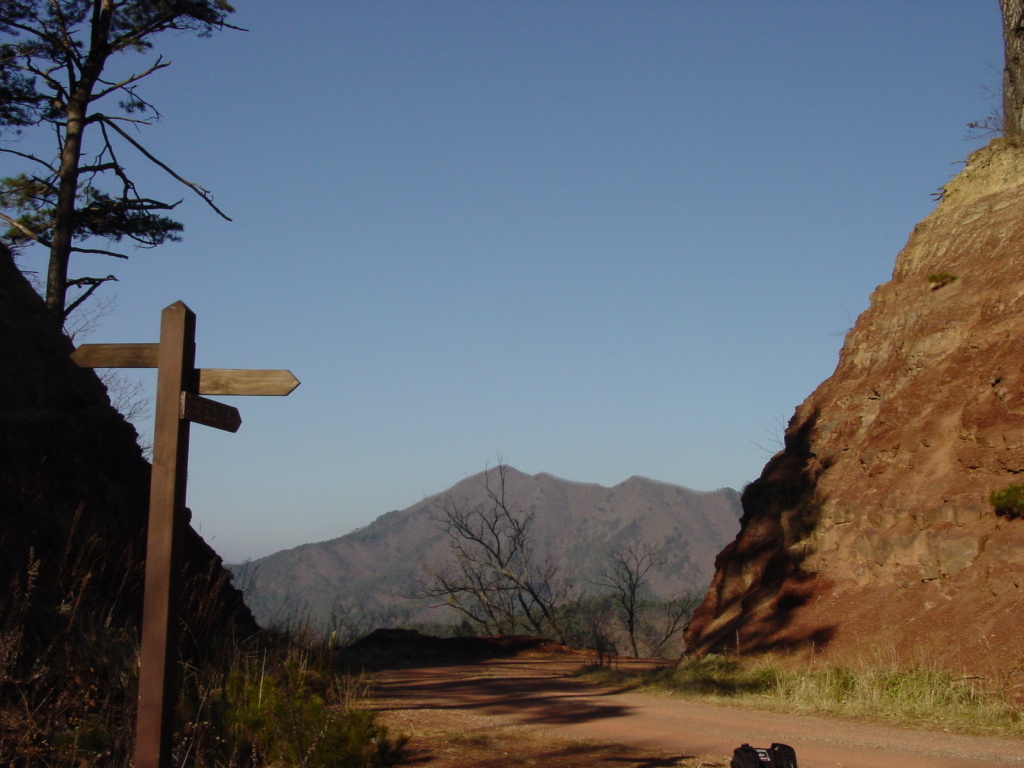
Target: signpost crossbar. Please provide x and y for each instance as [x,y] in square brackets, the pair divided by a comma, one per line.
[212,381]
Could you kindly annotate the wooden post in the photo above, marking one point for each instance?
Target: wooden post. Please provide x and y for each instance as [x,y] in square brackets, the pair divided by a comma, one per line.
[179,387]
[161,610]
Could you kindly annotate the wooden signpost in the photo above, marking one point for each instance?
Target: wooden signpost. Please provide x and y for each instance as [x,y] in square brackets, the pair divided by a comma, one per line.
[179,401]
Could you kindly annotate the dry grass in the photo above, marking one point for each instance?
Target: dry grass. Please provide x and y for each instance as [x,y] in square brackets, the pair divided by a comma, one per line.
[68,683]
[916,696]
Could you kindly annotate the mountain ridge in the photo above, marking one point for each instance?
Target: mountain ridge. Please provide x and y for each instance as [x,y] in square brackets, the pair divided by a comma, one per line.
[574,522]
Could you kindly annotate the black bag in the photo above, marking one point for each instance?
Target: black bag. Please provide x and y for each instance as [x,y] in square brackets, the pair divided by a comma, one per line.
[776,756]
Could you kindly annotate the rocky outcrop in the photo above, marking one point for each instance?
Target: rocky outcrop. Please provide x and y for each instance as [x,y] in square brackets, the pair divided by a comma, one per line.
[871,532]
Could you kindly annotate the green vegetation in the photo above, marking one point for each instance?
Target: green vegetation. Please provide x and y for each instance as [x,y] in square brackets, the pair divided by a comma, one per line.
[941,279]
[1008,501]
[68,693]
[916,696]
[284,702]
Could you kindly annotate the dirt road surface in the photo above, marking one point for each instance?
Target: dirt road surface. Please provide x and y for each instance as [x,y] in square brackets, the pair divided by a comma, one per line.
[533,712]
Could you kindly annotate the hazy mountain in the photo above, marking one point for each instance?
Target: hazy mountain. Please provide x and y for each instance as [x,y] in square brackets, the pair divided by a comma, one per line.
[575,525]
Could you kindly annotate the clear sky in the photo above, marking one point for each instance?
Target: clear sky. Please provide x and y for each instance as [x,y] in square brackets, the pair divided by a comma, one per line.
[597,239]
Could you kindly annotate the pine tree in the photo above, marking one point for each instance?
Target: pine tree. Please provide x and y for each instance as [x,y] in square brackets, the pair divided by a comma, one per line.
[52,59]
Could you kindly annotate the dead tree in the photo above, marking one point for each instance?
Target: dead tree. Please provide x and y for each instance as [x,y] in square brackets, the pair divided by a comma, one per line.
[494,577]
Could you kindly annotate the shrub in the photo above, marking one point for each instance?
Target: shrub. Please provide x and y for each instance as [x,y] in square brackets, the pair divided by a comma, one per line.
[1008,501]
[940,279]
[283,705]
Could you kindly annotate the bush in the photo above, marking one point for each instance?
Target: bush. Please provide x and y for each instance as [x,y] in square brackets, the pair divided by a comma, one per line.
[1008,501]
[284,704]
[940,279]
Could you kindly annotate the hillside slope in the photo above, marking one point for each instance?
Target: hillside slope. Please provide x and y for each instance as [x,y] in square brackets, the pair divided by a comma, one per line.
[870,533]
[74,497]
[575,525]
[74,501]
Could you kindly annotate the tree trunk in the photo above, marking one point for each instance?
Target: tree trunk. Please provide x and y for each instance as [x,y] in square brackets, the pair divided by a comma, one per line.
[70,159]
[1013,68]
[64,213]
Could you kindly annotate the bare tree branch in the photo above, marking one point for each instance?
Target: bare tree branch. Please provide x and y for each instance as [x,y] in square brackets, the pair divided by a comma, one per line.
[493,577]
[203,193]
[92,282]
[24,230]
[99,252]
[28,156]
[122,85]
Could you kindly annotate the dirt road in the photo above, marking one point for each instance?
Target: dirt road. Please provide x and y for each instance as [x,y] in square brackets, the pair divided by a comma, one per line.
[531,712]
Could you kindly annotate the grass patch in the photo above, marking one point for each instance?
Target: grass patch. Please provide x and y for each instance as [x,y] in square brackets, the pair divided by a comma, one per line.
[916,696]
[474,739]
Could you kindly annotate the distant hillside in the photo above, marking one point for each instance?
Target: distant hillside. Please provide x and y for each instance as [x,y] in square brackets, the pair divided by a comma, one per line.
[575,525]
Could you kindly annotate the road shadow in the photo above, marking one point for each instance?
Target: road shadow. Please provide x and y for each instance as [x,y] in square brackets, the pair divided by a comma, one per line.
[496,754]
[395,648]
[530,700]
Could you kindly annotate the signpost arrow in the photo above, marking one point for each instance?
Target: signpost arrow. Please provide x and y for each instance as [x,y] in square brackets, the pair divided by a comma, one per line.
[117,355]
[212,381]
[210,413]
[179,387]
[229,381]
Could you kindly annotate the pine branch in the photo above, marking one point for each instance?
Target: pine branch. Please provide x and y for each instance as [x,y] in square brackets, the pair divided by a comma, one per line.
[160,64]
[203,193]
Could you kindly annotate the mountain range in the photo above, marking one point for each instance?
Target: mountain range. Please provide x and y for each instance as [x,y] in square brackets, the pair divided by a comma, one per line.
[575,525]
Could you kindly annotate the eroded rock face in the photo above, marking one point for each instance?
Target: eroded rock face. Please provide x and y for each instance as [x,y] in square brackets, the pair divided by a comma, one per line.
[871,532]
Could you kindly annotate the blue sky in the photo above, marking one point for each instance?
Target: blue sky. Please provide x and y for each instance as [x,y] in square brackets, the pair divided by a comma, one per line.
[596,239]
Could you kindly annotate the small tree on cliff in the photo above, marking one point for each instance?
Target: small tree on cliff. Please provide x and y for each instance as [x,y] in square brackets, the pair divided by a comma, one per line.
[53,54]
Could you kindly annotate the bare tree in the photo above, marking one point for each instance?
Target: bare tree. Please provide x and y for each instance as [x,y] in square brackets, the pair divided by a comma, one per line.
[494,577]
[666,621]
[627,575]
[127,392]
[130,396]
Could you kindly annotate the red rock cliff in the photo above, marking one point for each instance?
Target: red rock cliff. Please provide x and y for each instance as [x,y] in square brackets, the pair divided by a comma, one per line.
[871,532]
